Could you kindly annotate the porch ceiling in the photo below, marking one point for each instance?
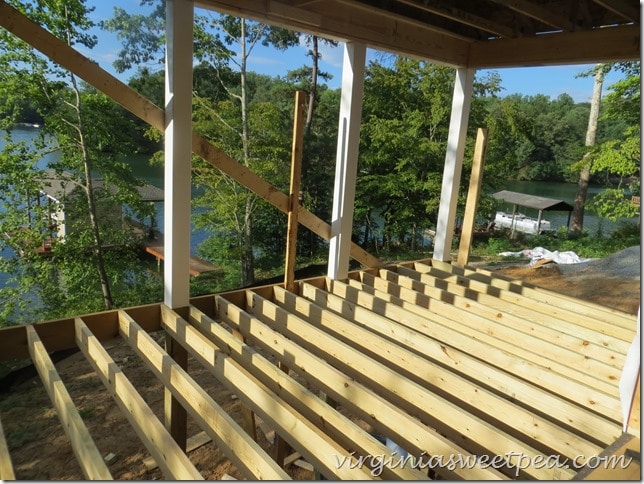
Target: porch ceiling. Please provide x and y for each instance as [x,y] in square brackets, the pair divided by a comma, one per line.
[481,34]
[441,360]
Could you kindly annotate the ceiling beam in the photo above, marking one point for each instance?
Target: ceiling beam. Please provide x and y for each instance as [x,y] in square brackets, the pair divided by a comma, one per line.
[627,9]
[463,17]
[344,22]
[610,44]
[547,16]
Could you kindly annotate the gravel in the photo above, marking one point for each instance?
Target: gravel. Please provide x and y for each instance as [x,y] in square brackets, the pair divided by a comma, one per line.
[625,263]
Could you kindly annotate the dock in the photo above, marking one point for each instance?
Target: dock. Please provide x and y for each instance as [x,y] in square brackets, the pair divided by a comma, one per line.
[155,247]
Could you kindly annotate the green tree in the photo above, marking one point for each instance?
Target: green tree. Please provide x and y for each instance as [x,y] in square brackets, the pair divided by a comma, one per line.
[77,125]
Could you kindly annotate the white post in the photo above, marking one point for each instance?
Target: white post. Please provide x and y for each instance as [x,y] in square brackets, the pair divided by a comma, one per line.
[346,163]
[461,101]
[178,151]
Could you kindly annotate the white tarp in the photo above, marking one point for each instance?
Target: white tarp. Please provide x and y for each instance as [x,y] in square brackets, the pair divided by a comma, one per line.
[539,253]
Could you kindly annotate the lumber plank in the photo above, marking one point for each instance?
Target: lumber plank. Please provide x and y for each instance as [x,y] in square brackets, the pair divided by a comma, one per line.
[333,423]
[6,468]
[294,191]
[429,284]
[487,348]
[248,417]
[384,416]
[175,415]
[553,299]
[88,456]
[452,421]
[519,299]
[564,362]
[230,438]
[303,436]
[476,178]
[198,440]
[172,461]
[534,429]
[620,461]
[573,351]
[564,412]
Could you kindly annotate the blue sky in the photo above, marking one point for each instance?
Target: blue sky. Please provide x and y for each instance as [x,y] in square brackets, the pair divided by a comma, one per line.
[551,81]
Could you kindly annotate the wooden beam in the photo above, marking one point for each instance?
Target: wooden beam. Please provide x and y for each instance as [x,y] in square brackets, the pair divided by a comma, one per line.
[497,378]
[193,443]
[172,461]
[296,430]
[535,11]
[627,9]
[174,414]
[6,468]
[457,424]
[610,44]
[246,454]
[430,284]
[482,345]
[554,301]
[593,374]
[537,431]
[334,424]
[589,344]
[141,107]
[570,350]
[346,160]
[384,416]
[463,17]
[294,192]
[461,102]
[348,23]
[88,456]
[476,178]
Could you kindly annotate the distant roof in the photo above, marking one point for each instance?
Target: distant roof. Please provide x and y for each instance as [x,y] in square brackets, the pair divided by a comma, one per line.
[532,201]
[58,187]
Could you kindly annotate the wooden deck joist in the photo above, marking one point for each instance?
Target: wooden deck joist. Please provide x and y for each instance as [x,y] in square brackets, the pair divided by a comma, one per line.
[434,359]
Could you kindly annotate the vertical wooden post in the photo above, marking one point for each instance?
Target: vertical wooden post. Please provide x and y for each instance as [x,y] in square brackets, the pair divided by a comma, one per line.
[467,230]
[177,184]
[294,193]
[346,163]
[461,102]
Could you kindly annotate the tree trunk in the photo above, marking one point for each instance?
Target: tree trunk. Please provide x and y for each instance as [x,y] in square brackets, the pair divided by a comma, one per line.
[248,258]
[314,86]
[97,249]
[577,220]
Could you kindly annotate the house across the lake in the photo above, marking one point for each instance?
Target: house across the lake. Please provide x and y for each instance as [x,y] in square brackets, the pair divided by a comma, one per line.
[61,188]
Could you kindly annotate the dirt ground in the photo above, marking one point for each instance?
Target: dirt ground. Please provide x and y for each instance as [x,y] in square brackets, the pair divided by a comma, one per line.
[41,451]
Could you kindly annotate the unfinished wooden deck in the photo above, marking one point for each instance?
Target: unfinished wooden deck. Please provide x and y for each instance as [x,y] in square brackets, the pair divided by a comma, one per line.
[449,363]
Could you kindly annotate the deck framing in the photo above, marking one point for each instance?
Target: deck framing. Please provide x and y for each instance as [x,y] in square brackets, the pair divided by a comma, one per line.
[424,354]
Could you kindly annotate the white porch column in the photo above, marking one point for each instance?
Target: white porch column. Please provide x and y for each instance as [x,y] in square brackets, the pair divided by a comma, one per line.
[178,150]
[461,102]
[346,163]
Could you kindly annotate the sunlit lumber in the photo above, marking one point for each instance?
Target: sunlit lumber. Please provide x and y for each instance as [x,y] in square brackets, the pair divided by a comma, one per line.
[499,380]
[437,287]
[88,456]
[224,431]
[6,468]
[172,461]
[307,439]
[432,409]
[384,416]
[490,349]
[334,424]
[534,429]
